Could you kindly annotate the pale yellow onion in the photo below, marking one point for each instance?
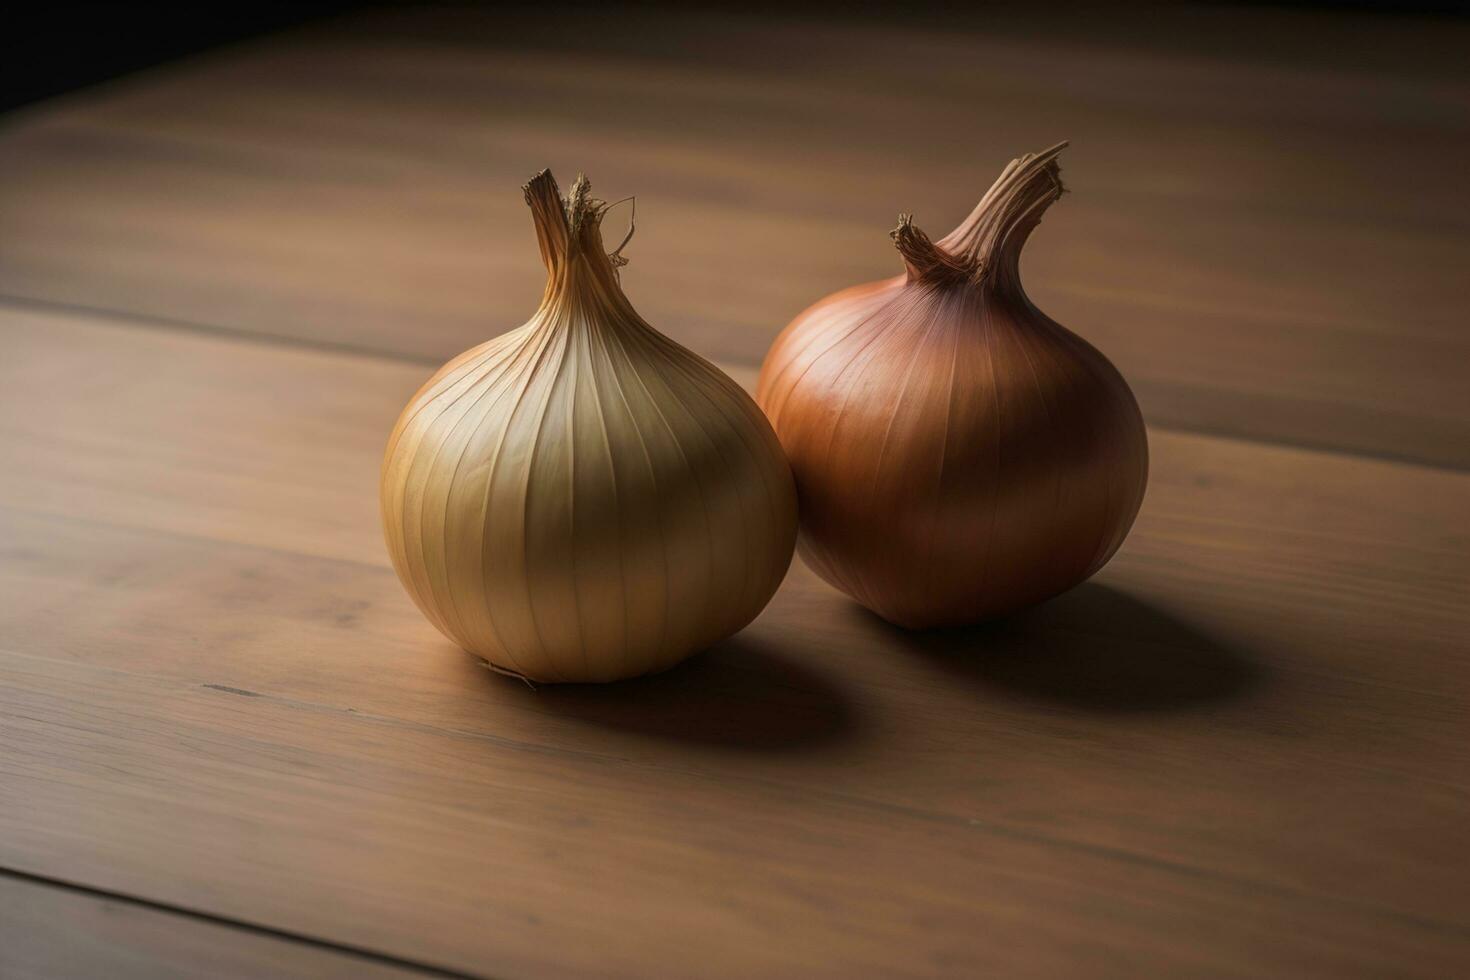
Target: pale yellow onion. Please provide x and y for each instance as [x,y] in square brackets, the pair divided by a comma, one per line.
[582,499]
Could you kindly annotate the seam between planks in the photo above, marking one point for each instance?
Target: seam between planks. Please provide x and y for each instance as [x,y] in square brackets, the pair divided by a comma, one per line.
[240,925]
[1103,852]
[124,319]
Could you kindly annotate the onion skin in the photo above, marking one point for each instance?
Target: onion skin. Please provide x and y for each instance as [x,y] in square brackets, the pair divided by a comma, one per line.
[958,454]
[582,499]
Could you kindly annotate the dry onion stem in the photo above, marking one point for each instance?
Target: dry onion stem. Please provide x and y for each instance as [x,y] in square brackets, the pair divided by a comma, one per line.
[958,454]
[582,499]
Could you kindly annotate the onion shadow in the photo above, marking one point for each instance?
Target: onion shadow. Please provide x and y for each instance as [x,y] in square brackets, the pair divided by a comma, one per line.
[739,695]
[1092,649]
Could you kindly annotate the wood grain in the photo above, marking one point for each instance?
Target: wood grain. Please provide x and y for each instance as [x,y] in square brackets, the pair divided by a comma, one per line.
[1242,238]
[1240,751]
[1213,733]
[52,931]
[487,853]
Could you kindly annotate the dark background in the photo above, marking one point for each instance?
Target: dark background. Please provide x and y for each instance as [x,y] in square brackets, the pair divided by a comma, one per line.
[53,48]
[61,46]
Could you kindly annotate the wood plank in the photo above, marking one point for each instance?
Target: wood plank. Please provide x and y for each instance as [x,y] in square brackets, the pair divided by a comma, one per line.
[1240,239]
[487,853]
[49,931]
[197,515]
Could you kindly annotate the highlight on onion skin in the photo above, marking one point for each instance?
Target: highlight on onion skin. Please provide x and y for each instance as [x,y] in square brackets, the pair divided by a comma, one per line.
[958,454]
[582,499]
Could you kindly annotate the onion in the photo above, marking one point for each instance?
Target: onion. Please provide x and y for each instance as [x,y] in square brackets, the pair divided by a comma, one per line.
[582,499]
[958,454]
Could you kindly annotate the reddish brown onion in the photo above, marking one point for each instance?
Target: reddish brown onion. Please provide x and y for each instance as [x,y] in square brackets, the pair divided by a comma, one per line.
[958,454]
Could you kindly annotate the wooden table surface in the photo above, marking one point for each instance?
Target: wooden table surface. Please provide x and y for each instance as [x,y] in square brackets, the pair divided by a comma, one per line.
[229,745]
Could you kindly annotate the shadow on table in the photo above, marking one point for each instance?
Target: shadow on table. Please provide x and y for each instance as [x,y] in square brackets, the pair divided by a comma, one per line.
[1094,649]
[738,695]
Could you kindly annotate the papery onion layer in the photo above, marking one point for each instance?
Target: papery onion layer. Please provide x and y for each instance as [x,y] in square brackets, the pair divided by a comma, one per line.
[958,454]
[582,499]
